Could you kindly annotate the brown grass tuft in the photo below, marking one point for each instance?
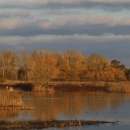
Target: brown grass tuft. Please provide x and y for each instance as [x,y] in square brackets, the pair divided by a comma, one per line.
[118,89]
[10,99]
[43,89]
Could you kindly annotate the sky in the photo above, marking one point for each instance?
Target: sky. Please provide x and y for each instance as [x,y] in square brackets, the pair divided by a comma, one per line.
[90,26]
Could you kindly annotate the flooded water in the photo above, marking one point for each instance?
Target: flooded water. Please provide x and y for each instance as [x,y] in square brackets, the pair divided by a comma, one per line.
[75,105]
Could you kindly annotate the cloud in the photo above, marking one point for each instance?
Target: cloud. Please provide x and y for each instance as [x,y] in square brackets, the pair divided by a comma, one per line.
[111,46]
[62,25]
[111,5]
[19,13]
[17,40]
[88,25]
[61,12]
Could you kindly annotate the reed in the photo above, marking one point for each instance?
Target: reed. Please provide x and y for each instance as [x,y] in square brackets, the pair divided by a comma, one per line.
[111,87]
[72,86]
[79,86]
[119,89]
[10,99]
[39,88]
[7,114]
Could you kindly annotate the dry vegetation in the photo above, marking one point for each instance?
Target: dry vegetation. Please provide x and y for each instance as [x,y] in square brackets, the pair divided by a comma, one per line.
[122,87]
[9,114]
[112,87]
[10,99]
[42,67]
[39,88]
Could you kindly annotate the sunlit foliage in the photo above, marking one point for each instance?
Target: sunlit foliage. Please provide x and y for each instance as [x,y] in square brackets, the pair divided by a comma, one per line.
[42,66]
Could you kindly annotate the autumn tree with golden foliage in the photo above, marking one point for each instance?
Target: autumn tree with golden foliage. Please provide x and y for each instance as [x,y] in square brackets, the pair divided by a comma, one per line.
[43,69]
[41,66]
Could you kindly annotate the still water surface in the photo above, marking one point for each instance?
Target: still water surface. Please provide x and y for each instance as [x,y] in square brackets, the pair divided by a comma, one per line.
[75,105]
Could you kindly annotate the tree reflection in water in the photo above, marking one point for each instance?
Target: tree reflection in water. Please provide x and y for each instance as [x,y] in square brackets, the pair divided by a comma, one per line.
[72,104]
[66,105]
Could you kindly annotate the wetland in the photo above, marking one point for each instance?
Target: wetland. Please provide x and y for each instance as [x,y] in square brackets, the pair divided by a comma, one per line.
[87,106]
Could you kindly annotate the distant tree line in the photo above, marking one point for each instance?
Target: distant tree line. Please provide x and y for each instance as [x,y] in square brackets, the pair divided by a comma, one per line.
[42,66]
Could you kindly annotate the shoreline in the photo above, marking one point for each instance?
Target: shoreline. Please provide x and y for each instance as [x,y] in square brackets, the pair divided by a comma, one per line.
[92,86]
[50,124]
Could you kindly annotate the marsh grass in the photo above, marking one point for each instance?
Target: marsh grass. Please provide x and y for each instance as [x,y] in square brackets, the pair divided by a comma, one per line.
[46,88]
[111,87]
[9,114]
[118,87]
[10,99]
[73,86]
[79,86]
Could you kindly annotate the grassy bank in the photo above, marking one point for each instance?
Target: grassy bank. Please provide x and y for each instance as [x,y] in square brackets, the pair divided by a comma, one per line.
[94,86]
[46,124]
[78,86]
[118,89]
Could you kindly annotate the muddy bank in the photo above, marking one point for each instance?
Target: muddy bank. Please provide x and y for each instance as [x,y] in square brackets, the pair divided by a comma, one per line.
[46,124]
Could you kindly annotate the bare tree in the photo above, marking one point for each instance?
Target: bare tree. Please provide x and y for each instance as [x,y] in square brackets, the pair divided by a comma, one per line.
[9,63]
[26,60]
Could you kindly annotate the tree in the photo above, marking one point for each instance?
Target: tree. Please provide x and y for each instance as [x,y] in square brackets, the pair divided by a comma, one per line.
[9,64]
[127,73]
[2,79]
[26,60]
[43,69]
[64,68]
[99,62]
[117,64]
[77,63]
